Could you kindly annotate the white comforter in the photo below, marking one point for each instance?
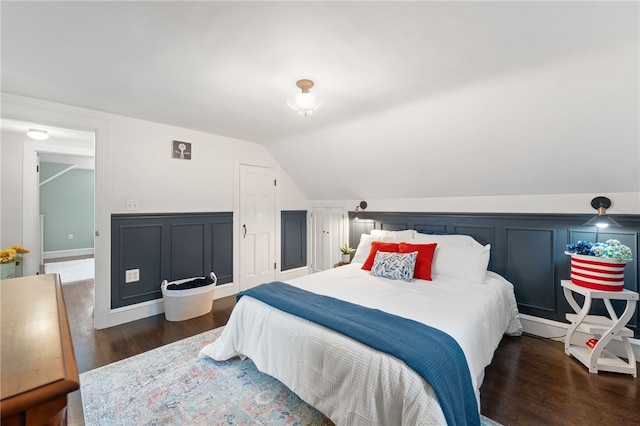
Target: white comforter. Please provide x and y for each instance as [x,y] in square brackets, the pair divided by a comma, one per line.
[349,382]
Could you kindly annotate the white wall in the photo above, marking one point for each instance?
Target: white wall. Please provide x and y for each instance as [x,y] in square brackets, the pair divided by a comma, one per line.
[11,187]
[621,203]
[142,169]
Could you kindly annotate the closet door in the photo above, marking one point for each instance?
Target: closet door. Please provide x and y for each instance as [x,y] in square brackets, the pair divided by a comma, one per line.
[317,219]
[329,233]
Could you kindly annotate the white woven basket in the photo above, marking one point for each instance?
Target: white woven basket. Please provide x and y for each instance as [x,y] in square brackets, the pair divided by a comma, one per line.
[180,305]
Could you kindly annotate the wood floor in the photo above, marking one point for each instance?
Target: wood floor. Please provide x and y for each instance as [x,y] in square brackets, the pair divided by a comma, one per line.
[530,381]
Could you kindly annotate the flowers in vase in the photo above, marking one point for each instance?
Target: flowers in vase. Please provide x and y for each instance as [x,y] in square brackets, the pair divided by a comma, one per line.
[611,249]
[12,254]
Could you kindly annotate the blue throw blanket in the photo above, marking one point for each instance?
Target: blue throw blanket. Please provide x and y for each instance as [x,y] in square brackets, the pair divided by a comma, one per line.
[433,354]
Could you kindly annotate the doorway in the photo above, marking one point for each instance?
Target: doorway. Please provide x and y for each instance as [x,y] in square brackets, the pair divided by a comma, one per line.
[21,156]
[66,146]
[329,233]
[66,208]
[32,111]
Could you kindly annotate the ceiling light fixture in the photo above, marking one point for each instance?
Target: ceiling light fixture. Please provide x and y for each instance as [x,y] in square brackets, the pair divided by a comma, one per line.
[37,134]
[304,103]
[601,220]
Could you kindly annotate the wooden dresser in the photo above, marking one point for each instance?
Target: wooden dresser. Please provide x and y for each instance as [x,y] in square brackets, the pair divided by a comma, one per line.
[38,367]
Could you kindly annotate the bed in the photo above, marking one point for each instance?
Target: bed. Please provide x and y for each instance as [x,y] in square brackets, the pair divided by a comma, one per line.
[353,383]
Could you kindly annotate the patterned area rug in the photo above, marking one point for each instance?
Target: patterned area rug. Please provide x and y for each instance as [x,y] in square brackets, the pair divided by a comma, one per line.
[171,385]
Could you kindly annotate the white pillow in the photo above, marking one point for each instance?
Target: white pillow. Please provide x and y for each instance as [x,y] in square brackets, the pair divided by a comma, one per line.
[364,246]
[462,262]
[363,249]
[395,236]
[449,239]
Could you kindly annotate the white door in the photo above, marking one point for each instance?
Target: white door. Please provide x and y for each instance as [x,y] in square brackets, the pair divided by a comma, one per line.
[319,232]
[336,237]
[257,226]
[329,234]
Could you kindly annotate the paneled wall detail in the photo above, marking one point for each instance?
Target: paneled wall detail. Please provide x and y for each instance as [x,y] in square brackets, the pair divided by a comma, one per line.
[529,262]
[527,249]
[167,246]
[140,247]
[293,246]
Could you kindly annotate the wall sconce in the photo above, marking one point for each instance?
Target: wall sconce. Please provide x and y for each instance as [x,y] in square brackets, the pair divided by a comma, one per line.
[601,220]
[360,208]
[38,134]
[305,102]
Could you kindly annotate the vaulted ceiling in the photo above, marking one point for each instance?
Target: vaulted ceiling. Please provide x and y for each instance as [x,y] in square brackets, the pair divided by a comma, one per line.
[421,99]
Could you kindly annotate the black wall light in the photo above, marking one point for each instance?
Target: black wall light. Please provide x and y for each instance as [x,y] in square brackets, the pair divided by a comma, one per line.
[360,208]
[601,220]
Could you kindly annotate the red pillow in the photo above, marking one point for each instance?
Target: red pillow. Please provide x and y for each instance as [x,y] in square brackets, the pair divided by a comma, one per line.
[377,246]
[424,259]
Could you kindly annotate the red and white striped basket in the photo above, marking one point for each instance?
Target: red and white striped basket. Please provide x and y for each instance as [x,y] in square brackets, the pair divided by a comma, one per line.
[597,273]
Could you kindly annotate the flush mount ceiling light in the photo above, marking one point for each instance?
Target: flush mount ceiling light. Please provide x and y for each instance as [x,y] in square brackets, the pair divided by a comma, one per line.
[304,103]
[601,220]
[37,134]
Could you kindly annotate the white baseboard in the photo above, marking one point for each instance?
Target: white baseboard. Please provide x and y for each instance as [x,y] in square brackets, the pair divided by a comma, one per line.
[224,290]
[555,330]
[292,273]
[155,307]
[135,312]
[57,254]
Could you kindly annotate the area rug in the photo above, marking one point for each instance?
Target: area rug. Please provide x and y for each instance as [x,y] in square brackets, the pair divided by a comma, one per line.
[170,385]
[72,271]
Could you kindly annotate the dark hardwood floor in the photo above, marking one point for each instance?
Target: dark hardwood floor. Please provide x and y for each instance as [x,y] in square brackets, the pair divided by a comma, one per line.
[530,381]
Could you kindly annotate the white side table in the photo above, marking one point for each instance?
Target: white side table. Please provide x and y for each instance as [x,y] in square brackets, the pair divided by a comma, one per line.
[603,328]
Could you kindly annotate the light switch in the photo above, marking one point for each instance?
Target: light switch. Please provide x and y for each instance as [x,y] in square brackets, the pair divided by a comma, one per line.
[132,204]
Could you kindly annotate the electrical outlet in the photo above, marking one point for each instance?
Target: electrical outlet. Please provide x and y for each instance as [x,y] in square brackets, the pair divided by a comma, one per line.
[132,205]
[132,275]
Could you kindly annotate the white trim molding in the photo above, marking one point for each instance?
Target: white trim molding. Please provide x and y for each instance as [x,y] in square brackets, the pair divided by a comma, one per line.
[59,254]
[58,115]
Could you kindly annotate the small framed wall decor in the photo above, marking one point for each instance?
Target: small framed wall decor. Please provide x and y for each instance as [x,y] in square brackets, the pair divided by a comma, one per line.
[181,150]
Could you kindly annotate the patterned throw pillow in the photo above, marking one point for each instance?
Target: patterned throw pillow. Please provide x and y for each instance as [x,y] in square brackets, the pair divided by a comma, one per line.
[397,266]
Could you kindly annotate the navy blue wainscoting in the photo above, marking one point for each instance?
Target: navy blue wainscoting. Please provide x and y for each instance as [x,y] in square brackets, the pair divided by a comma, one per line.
[527,249]
[167,246]
[293,238]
